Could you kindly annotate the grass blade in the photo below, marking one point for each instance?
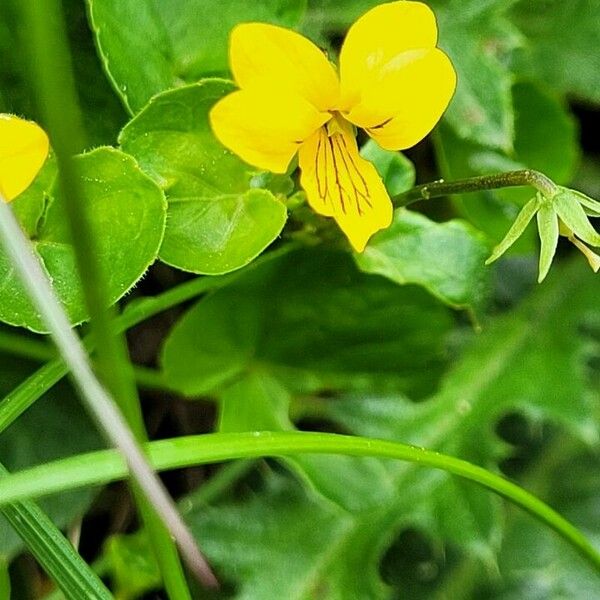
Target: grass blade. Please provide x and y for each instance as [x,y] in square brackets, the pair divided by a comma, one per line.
[53,551]
[106,465]
[53,81]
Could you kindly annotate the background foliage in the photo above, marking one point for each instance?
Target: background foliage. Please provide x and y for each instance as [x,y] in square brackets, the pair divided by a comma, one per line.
[414,340]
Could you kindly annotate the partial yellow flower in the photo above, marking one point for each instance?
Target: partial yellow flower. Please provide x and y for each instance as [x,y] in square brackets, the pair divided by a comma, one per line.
[24,148]
[393,82]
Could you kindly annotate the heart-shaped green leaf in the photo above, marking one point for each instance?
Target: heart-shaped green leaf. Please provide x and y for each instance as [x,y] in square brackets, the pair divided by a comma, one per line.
[216,222]
[127,213]
[311,319]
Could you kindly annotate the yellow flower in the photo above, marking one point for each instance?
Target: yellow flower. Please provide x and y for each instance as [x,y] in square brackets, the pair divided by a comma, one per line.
[23,149]
[393,82]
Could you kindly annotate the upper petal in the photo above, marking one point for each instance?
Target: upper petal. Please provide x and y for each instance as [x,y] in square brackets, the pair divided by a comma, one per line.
[339,183]
[23,149]
[263,128]
[406,98]
[377,37]
[270,56]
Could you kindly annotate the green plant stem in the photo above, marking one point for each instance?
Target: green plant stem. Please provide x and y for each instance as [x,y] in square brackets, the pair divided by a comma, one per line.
[52,550]
[4,578]
[151,379]
[437,189]
[143,308]
[37,350]
[25,347]
[53,81]
[107,465]
[216,486]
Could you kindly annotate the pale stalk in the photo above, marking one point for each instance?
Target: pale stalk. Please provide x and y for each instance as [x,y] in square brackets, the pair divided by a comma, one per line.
[99,403]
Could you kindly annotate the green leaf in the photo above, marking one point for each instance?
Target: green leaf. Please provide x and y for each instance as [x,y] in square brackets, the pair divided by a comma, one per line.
[559,38]
[509,367]
[505,368]
[127,214]
[173,41]
[450,510]
[258,402]
[313,321]
[131,564]
[447,259]
[532,562]
[477,39]
[223,233]
[397,171]
[255,402]
[258,533]
[215,223]
[253,540]
[546,132]
[29,206]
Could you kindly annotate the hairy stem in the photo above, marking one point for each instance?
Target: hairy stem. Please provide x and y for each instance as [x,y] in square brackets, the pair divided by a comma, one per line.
[436,189]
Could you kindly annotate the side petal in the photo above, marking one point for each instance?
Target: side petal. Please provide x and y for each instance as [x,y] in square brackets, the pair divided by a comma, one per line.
[339,183]
[264,129]
[24,147]
[269,56]
[406,100]
[377,37]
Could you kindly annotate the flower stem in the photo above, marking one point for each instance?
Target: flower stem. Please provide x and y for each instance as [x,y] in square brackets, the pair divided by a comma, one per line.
[436,189]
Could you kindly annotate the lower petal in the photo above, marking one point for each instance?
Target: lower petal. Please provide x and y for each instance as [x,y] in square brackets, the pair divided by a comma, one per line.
[339,183]
[263,128]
